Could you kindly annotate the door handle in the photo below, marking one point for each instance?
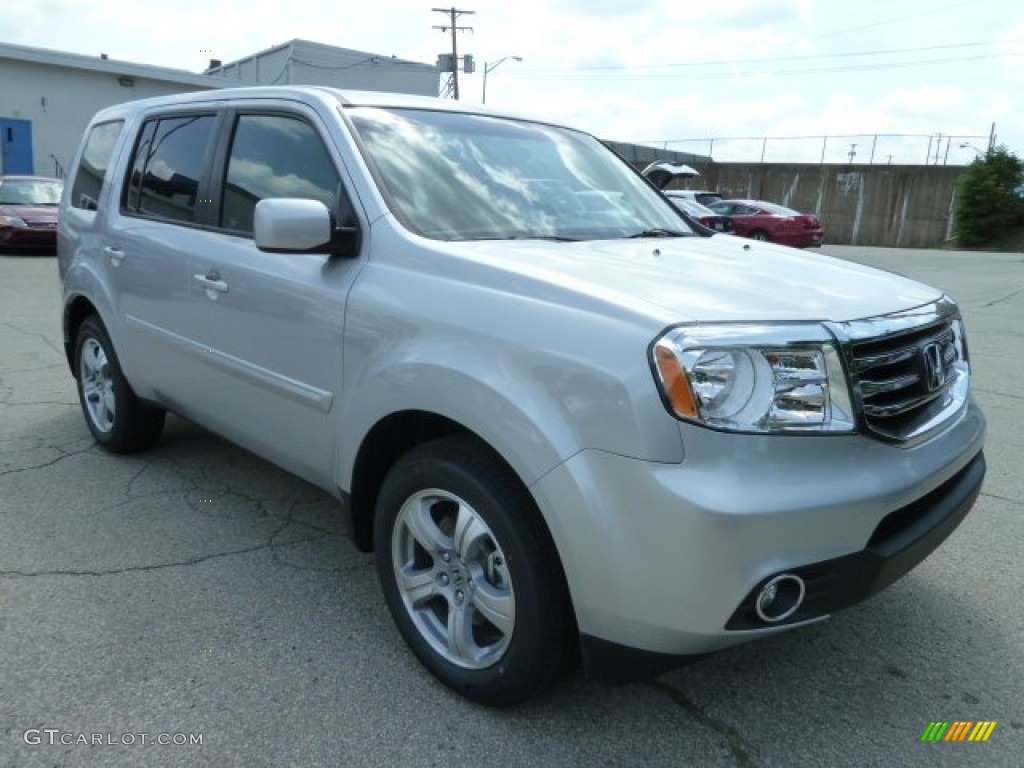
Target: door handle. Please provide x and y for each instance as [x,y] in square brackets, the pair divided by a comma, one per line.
[211,281]
[114,254]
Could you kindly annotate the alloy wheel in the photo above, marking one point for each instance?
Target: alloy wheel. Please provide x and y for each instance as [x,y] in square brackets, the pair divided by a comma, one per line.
[453,579]
[97,385]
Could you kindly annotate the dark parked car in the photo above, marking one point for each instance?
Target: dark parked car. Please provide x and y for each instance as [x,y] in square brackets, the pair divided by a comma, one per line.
[759,220]
[700,213]
[28,213]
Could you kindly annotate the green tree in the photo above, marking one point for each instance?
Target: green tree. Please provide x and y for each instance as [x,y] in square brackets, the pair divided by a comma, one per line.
[987,202]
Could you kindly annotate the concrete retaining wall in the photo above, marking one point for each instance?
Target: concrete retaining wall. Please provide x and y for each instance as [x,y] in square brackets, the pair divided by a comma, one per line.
[886,205]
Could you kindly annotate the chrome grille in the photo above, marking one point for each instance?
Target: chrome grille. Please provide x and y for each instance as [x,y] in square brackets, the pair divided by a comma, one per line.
[908,371]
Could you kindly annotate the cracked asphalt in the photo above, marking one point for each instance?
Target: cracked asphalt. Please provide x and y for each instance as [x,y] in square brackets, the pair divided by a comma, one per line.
[196,589]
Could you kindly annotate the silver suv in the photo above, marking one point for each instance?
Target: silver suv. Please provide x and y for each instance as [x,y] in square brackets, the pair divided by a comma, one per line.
[563,420]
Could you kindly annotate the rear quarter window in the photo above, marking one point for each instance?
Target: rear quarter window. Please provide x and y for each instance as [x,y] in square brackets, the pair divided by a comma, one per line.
[92,168]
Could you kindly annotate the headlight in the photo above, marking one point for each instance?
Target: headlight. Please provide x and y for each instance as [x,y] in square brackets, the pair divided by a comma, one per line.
[754,378]
[13,221]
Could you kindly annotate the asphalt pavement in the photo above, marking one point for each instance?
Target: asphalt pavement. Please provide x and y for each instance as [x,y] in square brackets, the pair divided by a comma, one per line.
[198,596]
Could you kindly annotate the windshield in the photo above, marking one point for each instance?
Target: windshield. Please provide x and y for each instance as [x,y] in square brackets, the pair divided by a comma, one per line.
[456,176]
[30,192]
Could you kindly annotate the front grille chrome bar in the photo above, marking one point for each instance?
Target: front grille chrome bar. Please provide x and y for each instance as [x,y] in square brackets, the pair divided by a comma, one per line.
[909,371]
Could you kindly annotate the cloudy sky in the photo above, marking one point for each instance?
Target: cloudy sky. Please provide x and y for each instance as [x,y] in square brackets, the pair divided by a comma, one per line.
[673,73]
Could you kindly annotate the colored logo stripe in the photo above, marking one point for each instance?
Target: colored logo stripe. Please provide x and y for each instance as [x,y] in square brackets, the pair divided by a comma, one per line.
[935,730]
[982,730]
[958,730]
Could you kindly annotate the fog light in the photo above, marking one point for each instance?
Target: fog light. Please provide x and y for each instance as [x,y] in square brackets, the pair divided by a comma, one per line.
[779,598]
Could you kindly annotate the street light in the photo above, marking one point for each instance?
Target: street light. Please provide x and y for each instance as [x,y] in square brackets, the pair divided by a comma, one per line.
[492,66]
[968,145]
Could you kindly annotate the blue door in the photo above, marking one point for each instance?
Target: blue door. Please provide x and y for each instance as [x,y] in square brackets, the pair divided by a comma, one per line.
[15,146]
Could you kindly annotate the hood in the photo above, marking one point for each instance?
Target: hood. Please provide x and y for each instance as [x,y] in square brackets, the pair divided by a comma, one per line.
[690,279]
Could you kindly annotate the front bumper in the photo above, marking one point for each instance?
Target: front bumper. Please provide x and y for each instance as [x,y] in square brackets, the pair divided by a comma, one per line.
[902,540]
[28,238]
[663,561]
[799,239]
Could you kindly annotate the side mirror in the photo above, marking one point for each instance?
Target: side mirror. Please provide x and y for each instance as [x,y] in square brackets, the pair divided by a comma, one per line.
[293,225]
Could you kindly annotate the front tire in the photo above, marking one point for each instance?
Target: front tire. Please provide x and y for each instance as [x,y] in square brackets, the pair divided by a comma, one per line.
[118,420]
[470,573]
[761,235]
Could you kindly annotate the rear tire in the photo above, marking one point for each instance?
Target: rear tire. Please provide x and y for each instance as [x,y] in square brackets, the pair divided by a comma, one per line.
[118,420]
[470,573]
[760,234]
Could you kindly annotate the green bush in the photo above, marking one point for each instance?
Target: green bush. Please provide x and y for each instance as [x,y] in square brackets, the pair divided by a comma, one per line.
[987,204]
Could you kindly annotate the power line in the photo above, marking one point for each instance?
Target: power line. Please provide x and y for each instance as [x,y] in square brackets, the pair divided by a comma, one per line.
[895,19]
[393,64]
[548,74]
[768,60]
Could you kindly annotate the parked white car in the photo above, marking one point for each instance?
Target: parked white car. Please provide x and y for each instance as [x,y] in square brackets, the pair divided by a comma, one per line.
[563,419]
[662,173]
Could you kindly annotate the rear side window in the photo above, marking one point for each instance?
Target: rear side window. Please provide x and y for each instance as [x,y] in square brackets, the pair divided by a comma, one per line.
[99,148]
[276,156]
[168,165]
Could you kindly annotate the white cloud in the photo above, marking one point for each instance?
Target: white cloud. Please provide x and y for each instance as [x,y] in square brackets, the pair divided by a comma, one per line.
[686,70]
[606,7]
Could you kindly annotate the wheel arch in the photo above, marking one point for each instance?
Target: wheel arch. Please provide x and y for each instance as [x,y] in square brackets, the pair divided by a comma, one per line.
[395,435]
[385,442]
[75,312]
[390,438]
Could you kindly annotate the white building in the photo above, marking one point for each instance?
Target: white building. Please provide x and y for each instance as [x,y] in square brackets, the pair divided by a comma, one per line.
[302,62]
[47,97]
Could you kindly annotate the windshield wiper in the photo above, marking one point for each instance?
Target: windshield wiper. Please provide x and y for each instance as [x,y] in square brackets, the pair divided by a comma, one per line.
[657,232]
[552,238]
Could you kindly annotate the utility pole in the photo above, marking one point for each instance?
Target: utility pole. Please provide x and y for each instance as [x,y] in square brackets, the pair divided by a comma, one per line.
[453,14]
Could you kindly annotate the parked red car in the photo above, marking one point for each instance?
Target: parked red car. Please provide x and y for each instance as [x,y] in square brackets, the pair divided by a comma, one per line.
[759,220]
[28,213]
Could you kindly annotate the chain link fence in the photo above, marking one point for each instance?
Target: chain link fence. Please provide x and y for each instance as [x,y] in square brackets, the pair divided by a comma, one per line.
[835,149]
